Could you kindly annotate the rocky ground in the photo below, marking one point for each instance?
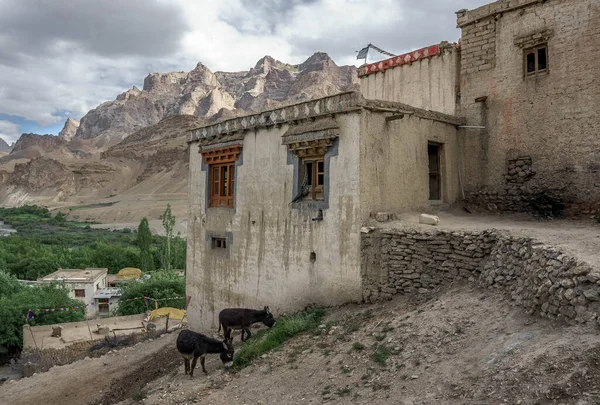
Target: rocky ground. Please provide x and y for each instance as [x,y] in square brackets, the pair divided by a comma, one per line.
[461,345]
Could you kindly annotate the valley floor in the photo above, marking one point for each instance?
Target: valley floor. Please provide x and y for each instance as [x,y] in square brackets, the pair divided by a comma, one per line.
[462,345]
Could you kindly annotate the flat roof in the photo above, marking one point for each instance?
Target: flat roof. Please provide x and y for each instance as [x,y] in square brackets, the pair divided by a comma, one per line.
[75,275]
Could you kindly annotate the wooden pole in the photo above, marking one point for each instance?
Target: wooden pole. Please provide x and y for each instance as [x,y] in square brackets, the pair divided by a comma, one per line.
[167,325]
[89,329]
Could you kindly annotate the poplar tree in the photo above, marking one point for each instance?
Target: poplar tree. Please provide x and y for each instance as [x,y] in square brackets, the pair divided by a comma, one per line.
[144,242]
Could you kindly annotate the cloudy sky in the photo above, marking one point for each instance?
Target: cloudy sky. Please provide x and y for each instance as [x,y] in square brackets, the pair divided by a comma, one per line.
[61,58]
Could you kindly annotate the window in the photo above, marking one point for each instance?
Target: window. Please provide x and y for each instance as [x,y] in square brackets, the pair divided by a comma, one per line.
[219,243]
[536,60]
[222,185]
[80,293]
[221,174]
[313,178]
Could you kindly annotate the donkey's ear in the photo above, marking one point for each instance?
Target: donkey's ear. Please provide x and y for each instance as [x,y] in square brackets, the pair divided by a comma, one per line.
[267,310]
[225,345]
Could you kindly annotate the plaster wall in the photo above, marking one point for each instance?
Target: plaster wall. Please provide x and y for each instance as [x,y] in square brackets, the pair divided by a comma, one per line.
[268,260]
[551,117]
[429,83]
[395,169]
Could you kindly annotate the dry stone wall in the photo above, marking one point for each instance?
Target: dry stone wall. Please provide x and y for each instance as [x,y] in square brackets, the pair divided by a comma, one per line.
[541,279]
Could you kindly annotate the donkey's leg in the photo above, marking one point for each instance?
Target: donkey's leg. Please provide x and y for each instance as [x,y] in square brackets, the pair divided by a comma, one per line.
[186,363]
[193,366]
[202,363]
[248,334]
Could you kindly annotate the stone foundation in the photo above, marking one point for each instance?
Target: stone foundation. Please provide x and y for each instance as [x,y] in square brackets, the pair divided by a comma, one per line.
[521,194]
[539,278]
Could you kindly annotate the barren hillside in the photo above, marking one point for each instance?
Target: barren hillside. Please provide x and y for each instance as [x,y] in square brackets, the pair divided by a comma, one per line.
[460,345]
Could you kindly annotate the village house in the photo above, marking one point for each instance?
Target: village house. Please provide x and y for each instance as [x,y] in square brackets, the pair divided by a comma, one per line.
[83,285]
[278,199]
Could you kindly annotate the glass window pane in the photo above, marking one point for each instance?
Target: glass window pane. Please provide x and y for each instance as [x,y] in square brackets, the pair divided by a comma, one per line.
[225,179]
[216,181]
[531,62]
[320,179]
[308,171]
[542,60]
[321,165]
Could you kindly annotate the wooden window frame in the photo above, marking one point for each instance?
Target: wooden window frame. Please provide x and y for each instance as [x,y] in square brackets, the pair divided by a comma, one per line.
[222,175]
[222,185]
[76,292]
[316,183]
[535,50]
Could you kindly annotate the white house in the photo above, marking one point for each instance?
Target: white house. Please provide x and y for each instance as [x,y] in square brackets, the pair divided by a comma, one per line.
[82,284]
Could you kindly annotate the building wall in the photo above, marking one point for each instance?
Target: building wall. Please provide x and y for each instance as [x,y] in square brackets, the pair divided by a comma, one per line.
[428,83]
[395,175]
[552,118]
[268,261]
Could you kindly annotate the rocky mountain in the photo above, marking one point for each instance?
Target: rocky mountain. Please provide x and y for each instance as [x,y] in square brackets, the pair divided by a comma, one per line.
[4,147]
[43,142]
[203,93]
[69,130]
[133,148]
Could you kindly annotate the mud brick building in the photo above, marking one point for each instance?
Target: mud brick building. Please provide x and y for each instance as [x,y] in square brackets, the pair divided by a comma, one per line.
[503,119]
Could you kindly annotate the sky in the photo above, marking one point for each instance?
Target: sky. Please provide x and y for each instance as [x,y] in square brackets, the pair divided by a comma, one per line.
[59,59]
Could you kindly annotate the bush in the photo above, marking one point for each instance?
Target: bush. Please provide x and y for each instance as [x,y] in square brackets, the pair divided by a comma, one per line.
[286,328]
[162,284]
[16,300]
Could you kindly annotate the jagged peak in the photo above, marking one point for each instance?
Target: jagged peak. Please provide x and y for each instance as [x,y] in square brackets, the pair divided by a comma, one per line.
[317,59]
[265,64]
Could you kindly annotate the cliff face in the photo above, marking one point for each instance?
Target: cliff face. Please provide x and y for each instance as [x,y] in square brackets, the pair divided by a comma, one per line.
[69,130]
[203,93]
[4,147]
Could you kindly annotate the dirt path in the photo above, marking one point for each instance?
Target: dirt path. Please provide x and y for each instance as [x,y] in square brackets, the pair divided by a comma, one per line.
[96,380]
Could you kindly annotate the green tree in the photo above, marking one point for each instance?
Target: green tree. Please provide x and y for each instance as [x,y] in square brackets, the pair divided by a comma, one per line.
[144,242]
[161,285]
[168,222]
[17,300]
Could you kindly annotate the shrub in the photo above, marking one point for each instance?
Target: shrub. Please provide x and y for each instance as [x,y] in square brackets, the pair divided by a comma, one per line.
[286,328]
[161,284]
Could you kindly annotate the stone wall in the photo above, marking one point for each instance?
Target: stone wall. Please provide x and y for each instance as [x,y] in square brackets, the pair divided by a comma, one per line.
[539,278]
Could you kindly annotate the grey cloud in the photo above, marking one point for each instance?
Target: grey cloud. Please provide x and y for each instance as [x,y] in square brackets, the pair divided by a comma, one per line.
[419,24]
[260,17]
[106,27]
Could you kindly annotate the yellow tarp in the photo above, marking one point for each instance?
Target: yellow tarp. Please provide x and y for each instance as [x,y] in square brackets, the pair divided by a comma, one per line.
[129,273]
[174,313]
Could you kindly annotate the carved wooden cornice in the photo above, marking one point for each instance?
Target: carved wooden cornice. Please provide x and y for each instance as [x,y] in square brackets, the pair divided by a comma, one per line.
[221,155]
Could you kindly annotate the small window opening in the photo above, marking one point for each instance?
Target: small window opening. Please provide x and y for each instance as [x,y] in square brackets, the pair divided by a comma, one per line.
[219,243]
[313,257]
[536,60]
[80,293]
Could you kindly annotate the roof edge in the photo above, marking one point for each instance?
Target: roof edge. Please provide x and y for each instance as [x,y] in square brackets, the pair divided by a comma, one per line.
[405,59]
